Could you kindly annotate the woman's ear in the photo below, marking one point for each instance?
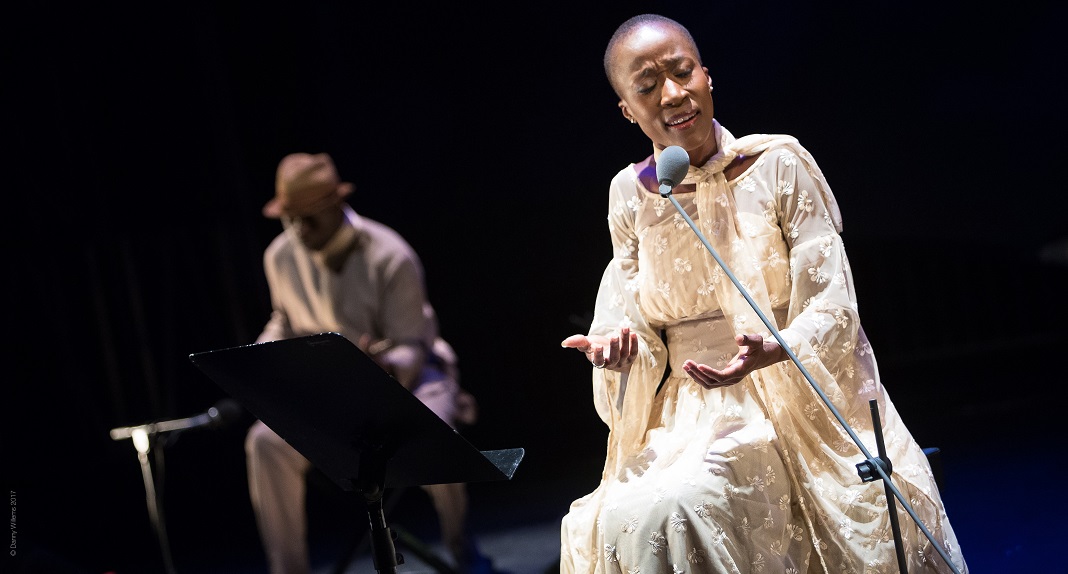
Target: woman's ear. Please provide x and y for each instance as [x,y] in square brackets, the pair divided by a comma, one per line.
[626,113]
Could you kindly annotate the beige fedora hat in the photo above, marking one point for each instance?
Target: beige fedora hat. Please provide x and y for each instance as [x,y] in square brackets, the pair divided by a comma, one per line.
[305,184]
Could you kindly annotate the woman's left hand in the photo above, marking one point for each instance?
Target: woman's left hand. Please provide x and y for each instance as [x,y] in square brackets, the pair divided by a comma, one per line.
[753,353]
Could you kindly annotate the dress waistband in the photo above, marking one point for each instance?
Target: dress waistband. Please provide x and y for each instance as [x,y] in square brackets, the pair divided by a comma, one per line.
[708,340]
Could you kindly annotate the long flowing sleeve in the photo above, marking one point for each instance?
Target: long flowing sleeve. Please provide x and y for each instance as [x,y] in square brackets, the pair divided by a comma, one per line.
[625,402]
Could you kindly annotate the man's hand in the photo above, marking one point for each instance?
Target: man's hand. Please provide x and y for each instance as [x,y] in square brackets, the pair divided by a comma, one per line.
[402,362]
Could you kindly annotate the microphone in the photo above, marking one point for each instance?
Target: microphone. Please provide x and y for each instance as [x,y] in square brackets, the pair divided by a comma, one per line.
[671,168]
[221,414]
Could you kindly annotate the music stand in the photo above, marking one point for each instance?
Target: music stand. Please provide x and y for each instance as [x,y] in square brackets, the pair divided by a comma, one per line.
[353,421]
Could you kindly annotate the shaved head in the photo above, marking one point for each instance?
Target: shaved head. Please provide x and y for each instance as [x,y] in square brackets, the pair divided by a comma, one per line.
[629,27]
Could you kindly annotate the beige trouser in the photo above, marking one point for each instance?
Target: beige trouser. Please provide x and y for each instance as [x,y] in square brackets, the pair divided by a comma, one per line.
[277,489]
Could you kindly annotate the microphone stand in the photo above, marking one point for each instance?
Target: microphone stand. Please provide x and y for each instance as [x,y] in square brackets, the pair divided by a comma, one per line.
[203,419]
[143,436]
[880,465]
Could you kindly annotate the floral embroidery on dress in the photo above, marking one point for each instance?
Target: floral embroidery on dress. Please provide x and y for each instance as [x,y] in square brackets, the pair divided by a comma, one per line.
[804,202]
[677,522]
[659,206]
[773,257]
[660,244]
[703,510]
[658,495]
[716,227]
[827,218]
[748,184]
[695,556]
[850,496]
[817,275]
[792,231]
[758,563]
[634,203]
[718,535]
[657,542]
[743,527]
[825,246]
[771,214]
[812,410]
[749,229]
[776,547]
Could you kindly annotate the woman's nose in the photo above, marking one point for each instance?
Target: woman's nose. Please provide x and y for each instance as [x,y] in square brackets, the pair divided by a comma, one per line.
[672,93]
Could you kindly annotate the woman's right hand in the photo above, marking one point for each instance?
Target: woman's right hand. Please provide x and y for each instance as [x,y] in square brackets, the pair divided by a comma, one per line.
[616,353]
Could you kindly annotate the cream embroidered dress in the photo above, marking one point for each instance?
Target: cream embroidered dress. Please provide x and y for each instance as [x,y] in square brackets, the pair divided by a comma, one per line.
[759,476]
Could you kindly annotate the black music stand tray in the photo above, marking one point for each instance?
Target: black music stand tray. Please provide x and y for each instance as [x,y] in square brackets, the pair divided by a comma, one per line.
[353,421]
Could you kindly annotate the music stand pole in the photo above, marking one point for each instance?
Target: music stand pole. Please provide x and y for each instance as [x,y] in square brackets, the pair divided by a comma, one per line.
[371,485]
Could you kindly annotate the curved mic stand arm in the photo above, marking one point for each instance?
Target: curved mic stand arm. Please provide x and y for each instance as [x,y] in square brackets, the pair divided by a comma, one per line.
[881,465]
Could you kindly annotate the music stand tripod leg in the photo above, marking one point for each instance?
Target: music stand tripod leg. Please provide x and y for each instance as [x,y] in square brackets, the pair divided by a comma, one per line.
[420,549]
[360,544]
[401,537]
[383,551]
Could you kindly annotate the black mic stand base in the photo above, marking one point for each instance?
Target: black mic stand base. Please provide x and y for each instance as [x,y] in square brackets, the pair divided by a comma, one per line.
[868,472]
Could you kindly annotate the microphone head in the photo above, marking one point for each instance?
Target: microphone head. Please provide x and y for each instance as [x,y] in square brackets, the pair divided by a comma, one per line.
[224,413]
[672,166]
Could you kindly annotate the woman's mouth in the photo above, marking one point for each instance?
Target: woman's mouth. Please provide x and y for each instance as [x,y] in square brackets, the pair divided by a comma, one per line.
[682,121]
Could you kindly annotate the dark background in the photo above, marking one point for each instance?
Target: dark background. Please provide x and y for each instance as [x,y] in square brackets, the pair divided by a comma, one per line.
[143,141]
